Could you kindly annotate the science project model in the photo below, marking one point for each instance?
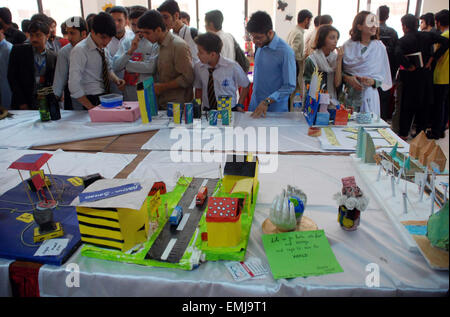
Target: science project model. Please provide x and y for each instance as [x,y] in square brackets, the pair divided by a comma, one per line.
[200,219]
[43,210]
[27,228]
[411,188]
[286,213]
[316,110]
[351,202]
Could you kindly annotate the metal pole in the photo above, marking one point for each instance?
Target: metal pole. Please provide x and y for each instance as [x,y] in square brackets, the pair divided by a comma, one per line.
[320,8]
[149,4]
[196,13]
[418,8]
[82,8]
[40,7]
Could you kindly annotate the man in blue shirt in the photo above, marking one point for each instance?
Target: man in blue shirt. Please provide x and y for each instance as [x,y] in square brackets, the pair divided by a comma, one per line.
[275,72]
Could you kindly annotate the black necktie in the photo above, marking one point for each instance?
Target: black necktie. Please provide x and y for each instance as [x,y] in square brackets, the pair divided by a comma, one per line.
[105,72]
[211,93]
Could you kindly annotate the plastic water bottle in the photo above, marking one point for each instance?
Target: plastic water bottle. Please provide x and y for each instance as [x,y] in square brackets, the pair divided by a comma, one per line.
[297,100]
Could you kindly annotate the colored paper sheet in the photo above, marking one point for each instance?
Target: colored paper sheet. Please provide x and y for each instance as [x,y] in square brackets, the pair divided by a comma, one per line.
[294,254]
[109,192]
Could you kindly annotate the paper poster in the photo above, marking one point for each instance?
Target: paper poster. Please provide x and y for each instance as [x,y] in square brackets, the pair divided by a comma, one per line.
[294,254]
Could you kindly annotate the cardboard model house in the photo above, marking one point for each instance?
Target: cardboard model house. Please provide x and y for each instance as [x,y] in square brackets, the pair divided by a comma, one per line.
[416,144]
[425,152]
[239,167]
[119,219]
[437,156]
[223,222]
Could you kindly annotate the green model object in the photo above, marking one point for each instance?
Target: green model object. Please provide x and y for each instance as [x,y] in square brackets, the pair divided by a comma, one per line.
[437,229]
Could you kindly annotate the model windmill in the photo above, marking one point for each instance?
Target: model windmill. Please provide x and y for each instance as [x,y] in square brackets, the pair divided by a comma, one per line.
[43,209]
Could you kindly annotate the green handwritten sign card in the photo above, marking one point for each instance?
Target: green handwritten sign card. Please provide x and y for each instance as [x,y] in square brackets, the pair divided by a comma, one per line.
[294,254]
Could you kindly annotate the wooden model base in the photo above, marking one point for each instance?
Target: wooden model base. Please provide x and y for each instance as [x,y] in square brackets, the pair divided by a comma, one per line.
[305,225]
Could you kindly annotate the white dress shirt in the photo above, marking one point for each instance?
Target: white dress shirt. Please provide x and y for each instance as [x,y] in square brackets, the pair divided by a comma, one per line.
[85,72]
[62,70]
[115,43]
[228,77]
[228,45]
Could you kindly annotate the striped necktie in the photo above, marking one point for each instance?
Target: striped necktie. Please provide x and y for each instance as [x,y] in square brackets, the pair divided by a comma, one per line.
[105,72]
[211,93]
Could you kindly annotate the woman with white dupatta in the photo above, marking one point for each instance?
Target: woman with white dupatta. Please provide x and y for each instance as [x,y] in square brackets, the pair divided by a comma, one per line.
[328,64]
[366,65]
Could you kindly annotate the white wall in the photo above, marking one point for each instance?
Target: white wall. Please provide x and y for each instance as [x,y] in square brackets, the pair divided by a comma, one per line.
[281,26]
[434,6]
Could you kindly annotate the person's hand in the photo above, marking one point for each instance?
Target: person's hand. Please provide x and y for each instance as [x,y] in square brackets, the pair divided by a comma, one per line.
[411,68]
[134,44]
[121,84]
[158,89]
[354,83]
[260,110]
[239,108]
[428,65]
[282,213]
[366,81]
[340,52]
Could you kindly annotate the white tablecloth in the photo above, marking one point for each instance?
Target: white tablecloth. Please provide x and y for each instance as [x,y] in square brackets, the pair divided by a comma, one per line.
[402,273]
[61,163]
[25,129]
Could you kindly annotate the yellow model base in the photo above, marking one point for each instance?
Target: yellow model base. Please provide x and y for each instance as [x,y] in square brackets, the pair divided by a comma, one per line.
[38,237]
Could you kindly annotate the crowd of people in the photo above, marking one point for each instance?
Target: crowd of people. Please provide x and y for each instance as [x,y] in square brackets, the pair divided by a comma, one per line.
[400,79]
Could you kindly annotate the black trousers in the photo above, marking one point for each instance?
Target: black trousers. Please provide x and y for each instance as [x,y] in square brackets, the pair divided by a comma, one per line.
[439,117]
[413,103]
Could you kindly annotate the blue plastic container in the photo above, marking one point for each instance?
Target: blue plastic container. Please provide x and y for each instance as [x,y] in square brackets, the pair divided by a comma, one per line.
[111,100]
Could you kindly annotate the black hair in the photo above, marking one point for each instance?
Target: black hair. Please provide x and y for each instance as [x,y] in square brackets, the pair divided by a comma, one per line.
[63,27]
[325,19]
[216,18]
[119,9]
[38,25]
[210,42]
[25,25]
[77,23]
[103,23]
[322,34]
[303,15]
[383,13]
[170,6]
[137,11]
[151,20]
[5,15]
[442,17]
[51,20]
[316,21]
[260,22]
[41,17]
[14,25]
[185,15]
[90,16]
[90,20]
[428,18]
[410,22]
